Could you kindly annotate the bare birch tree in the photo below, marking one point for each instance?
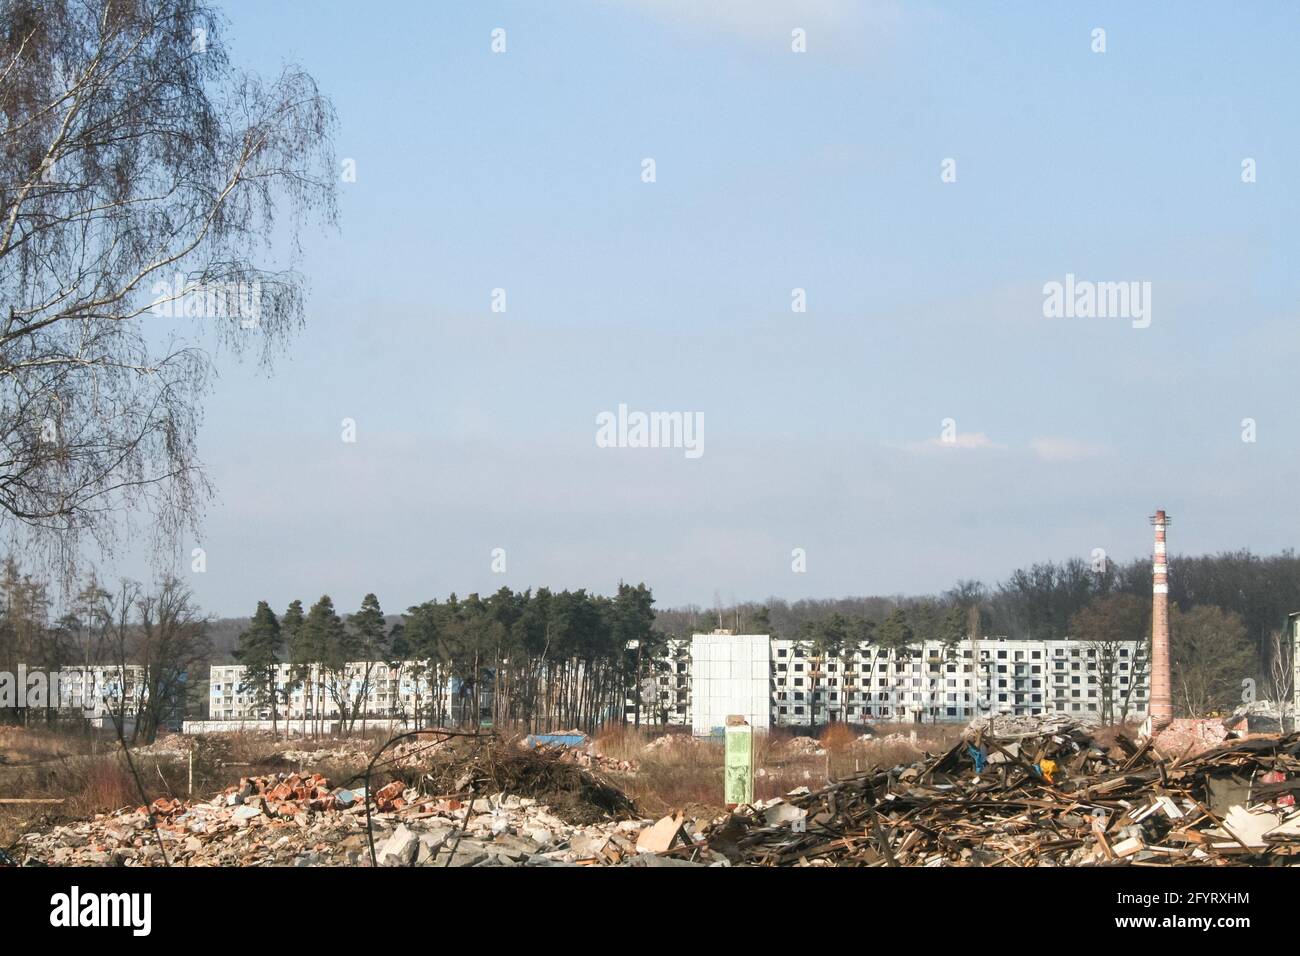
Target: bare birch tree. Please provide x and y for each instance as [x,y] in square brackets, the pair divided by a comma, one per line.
[142,179]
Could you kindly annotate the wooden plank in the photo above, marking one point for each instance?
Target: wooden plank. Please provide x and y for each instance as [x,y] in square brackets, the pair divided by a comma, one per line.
[12,801]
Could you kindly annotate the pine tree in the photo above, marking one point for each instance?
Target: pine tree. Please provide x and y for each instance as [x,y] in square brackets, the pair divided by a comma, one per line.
[896,636]
[331,643]
[259,652]
[300,656]
[371,642]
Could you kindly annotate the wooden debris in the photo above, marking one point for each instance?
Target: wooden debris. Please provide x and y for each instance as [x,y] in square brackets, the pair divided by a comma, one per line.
[1055,799]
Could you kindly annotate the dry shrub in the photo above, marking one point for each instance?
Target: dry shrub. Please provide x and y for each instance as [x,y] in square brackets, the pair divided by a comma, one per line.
[248,746]
[837,738]
[768,746]
[101,786]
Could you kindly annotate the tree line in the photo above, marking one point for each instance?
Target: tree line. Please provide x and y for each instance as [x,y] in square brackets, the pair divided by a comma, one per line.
[156,628]
[533,657]
[544,658]
[1228,615]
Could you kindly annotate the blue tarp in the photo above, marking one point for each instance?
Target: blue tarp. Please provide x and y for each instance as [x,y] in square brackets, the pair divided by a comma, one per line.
[557,740]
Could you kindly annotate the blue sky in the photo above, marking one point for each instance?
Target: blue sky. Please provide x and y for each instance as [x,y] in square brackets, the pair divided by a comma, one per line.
[774,170]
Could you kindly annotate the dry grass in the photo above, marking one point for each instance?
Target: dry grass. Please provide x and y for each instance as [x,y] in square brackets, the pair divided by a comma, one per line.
[687,773]
[105,784]
[625,742]
[26,745]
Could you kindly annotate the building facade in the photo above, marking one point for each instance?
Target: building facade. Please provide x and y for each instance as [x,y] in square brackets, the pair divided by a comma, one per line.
[730,674]
[98,691]
[929,682]
[374,689]
[772,682]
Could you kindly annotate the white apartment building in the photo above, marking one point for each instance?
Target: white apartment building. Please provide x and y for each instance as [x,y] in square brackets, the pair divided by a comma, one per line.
[388,691]
[930,683]
[730,674]
[96,691]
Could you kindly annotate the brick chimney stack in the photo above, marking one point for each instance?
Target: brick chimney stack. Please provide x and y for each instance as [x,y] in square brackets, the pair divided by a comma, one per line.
[1161,707]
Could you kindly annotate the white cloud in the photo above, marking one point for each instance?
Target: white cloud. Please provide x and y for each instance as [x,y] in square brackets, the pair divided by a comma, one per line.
[1064,449]
[966,440]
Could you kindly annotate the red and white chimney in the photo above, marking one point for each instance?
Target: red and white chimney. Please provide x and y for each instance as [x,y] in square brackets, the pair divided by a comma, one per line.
[1161,707]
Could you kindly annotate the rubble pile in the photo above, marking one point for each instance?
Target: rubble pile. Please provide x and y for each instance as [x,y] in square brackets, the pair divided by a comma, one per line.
[1191,735]
[1262,716]
[671,741]
[173,746]
[1044,799]
[301,820]
[802,747]
[415,751]
[591,760]
[1026,725]
[545,774]
[358,753]
[222,749]
[870,740]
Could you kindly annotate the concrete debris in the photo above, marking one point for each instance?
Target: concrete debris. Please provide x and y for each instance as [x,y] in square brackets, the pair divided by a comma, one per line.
[301,820]
[785,814]
[1057,798]
[802,746]
[673,740]
[442,832]
[872,740]
[661,837]
[341,755]
[1025,725]
[589,759]
[401,848]
[167,746]
[282,752]
[1262,717]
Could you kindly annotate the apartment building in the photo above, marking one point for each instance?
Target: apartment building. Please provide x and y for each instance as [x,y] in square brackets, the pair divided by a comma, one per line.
[926,683]
[96,691]
[382,689]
